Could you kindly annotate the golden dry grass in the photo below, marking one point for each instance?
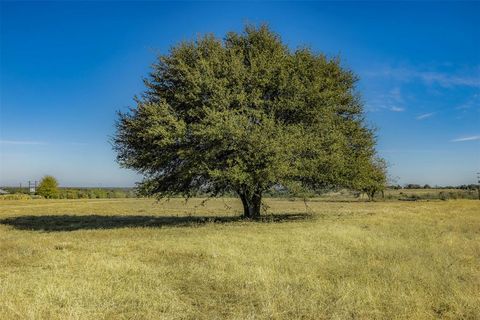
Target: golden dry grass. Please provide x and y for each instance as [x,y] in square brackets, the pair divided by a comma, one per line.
[136,259]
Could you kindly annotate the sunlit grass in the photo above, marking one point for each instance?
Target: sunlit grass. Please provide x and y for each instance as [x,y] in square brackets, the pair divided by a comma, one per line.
[134,259]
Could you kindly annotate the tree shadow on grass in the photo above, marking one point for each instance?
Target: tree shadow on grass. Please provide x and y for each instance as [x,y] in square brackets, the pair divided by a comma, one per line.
[55,223]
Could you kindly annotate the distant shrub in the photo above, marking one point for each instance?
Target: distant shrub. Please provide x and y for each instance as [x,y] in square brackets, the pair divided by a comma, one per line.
[453,195]
[48,187]
[19,196]
[434,194]
[95,193]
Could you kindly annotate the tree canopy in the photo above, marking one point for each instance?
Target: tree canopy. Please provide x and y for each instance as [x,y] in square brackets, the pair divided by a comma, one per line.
[48,187]
[244,114]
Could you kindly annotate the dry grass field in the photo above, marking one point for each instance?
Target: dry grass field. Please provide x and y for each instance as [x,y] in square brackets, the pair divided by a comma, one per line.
[138,259]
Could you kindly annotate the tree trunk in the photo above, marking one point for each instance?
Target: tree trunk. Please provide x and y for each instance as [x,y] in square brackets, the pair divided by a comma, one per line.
[371,194]
[251,205]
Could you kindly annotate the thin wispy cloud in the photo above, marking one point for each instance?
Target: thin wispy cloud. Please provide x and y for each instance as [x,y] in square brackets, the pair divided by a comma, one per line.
[397,109]
[425,116]
[413,151]
[471,138]
[21,142]
[443,79]
[446,80]
[33,143]
[392,100]
[78,143]
[472,102]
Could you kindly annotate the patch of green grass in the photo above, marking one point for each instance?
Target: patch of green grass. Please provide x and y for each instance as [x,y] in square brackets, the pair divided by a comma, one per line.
[138,259]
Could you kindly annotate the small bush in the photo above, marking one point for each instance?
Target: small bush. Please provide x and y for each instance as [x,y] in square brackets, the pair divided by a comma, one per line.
[19,196]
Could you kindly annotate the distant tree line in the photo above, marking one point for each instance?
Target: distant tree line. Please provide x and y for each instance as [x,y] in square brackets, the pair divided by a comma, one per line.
[427,186]
[81,193]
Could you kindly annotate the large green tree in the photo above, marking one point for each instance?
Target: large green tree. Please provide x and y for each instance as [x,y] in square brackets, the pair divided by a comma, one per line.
[244,114]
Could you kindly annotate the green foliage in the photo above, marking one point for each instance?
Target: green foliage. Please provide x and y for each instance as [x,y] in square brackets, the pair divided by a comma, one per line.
[19,196]
[371,176]
[95,193]
[244,115]
[72,193]
[48,187]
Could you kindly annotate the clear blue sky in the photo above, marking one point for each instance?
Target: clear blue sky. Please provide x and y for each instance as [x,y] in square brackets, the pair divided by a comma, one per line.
[66,68]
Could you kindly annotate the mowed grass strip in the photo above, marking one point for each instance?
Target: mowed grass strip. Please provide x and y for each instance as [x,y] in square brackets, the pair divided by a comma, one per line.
[139,259]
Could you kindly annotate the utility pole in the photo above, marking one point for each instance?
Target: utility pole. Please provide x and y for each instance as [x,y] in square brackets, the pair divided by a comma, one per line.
[478,184]
[32,186]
